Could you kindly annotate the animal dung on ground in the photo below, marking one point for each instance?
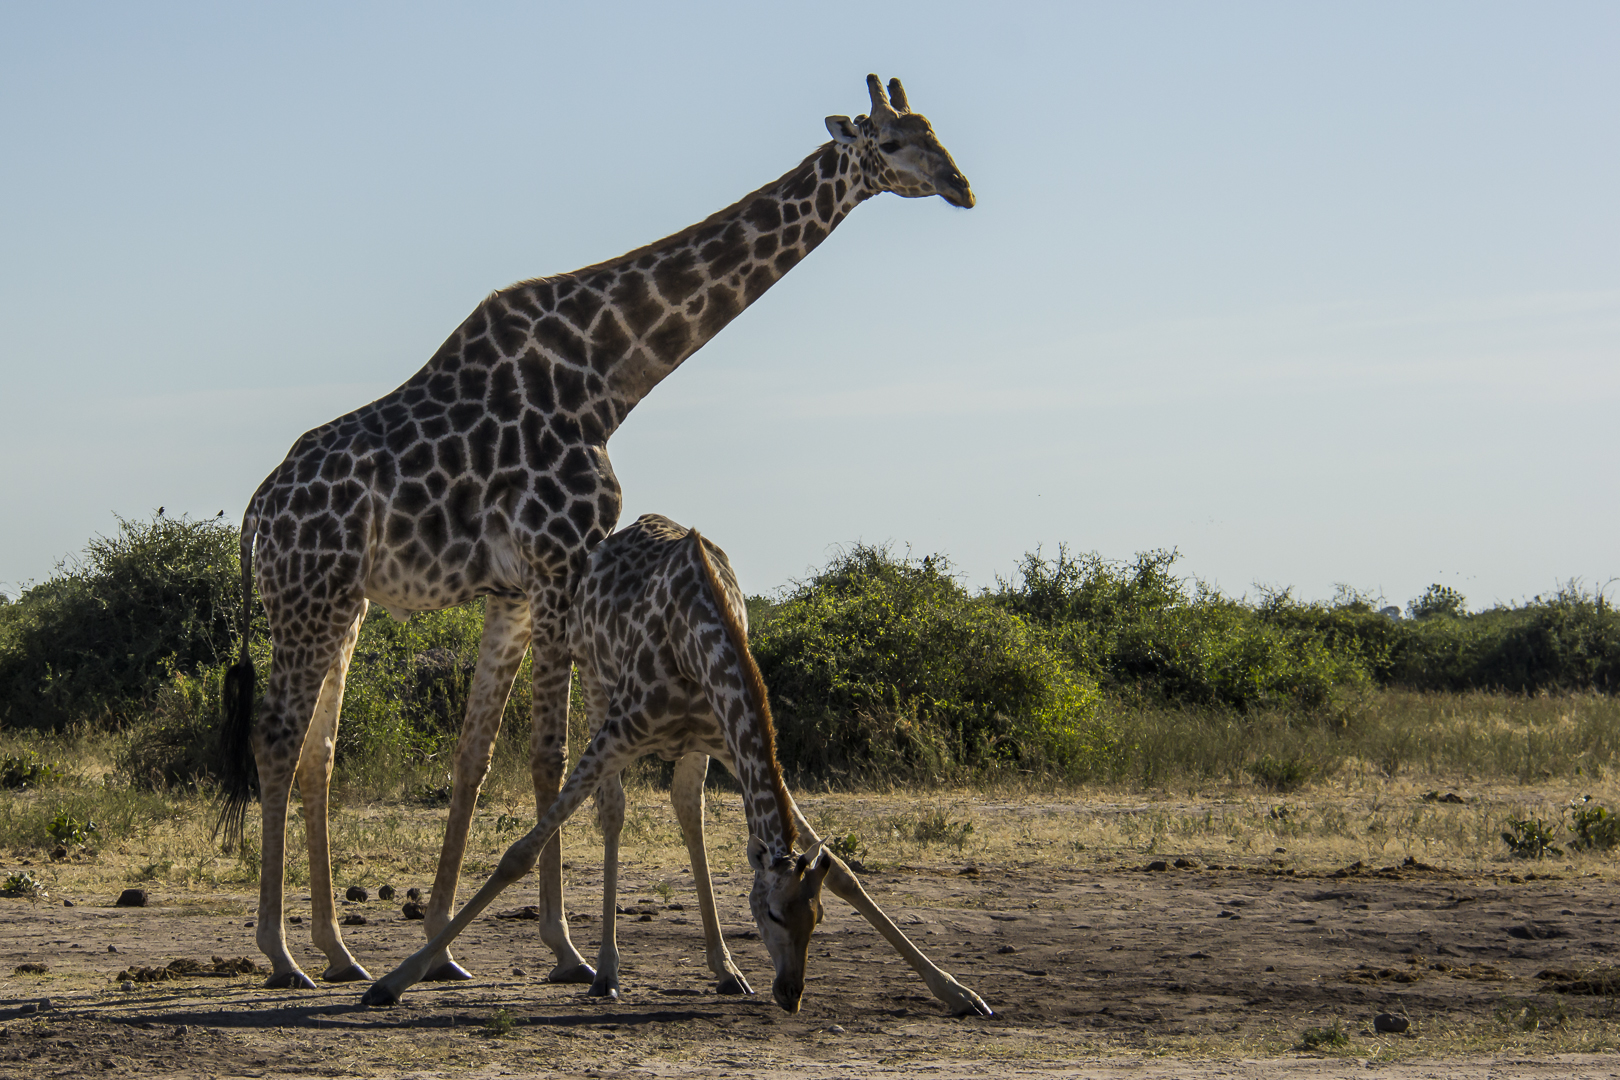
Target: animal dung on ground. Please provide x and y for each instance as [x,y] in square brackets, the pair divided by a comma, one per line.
[413,910]
[131,898]
[357,893]
[354,920]
[1391,1024]
[187,968]
[385,893]
[31,969]
[413,894]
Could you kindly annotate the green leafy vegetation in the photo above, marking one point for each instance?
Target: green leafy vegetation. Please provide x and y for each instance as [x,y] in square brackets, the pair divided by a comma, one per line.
[1595,828]
[880,667]
[1531,838]
[23,883]
[888,665]
[26,770]
[1331,1037]
[96,641]
[500,1024]
[67,829]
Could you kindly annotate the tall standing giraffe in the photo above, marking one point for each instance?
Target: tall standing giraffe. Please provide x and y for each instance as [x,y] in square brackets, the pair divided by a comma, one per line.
[486,474]
[659,631]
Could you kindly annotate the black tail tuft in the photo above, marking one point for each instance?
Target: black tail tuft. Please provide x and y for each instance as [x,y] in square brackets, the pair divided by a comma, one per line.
[238,772]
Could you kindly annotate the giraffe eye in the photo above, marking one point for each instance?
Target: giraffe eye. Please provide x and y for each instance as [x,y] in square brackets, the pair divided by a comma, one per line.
[774,917]
[889,147]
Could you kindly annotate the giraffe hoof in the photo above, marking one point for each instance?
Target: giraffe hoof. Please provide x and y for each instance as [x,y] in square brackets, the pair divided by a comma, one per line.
[605,987]
[289,980]
[449,971]
[579,973]
[734,984]
[350,972]
[379,994]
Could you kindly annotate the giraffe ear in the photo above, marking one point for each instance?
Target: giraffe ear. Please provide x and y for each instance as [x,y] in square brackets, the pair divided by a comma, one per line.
[758,857]
[842,129]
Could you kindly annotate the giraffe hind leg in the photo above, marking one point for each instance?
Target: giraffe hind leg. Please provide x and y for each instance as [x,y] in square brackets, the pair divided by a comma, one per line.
[280,733]
[314,782]
[610,816]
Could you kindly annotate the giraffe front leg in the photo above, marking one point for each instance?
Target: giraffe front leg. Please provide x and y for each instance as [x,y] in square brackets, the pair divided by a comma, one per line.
[518,860]
[548,759]
[686,793]
[844,885]
[500,651]
[610,816]
[314,781]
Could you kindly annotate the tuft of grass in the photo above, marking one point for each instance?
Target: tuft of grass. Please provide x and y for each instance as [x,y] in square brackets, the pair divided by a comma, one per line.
[1283,774]
[500,1024]
[1529,1014]
[1332,1037]
[849,847]
[936,827]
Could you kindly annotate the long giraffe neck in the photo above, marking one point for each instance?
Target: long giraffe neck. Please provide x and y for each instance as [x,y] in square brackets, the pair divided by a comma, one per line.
[593,342]
[749,730]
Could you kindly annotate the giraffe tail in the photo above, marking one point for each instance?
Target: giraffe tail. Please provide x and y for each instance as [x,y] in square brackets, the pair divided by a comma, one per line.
[238,772]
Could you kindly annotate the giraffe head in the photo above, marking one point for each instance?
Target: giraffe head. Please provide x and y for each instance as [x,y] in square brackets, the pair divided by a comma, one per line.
[898,150]
[786,900]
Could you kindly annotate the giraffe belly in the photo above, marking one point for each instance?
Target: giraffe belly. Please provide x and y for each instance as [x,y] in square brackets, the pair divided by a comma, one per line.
[410,580]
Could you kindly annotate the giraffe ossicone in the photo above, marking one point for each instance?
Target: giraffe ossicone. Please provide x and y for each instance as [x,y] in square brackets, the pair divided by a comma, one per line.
[486,475]
[658,630]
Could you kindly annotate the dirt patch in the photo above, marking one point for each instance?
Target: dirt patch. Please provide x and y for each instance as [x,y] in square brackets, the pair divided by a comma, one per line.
[1087,971]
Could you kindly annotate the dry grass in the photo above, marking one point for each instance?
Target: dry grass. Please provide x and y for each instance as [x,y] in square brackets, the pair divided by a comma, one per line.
[1500,758]
[1504,757]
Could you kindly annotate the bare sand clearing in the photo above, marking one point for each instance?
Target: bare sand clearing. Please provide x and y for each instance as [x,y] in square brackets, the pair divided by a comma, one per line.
[1207,970]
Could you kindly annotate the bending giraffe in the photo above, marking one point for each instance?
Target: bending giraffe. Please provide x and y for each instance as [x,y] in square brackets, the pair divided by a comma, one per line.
[486,475]
[658,629]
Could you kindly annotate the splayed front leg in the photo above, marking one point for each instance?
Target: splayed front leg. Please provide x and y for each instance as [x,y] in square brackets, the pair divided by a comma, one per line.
[518,860]
[847,887]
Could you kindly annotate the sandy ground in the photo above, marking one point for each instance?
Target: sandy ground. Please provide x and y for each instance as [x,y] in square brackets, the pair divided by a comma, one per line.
[1200,971]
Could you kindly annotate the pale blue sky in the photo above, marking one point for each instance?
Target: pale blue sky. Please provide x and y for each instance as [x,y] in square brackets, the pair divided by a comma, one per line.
[1315,293]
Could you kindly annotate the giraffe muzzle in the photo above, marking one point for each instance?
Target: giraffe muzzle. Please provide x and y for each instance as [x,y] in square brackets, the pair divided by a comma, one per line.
[787,990]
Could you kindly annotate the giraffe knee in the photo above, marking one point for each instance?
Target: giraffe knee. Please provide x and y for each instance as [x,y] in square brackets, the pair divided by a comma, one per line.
[518,861]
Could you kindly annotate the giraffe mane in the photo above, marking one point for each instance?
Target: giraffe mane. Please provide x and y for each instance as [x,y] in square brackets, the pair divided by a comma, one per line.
[756,686]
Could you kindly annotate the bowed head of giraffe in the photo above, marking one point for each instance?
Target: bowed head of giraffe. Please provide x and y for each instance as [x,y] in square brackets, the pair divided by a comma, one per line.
[786,902]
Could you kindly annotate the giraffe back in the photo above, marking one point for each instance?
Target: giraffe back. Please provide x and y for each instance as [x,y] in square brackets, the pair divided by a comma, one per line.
[660,624]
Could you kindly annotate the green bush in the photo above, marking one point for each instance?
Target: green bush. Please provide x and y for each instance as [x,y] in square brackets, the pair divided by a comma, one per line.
[1138,629]
[1568,641]
[887,665]
[94,643]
